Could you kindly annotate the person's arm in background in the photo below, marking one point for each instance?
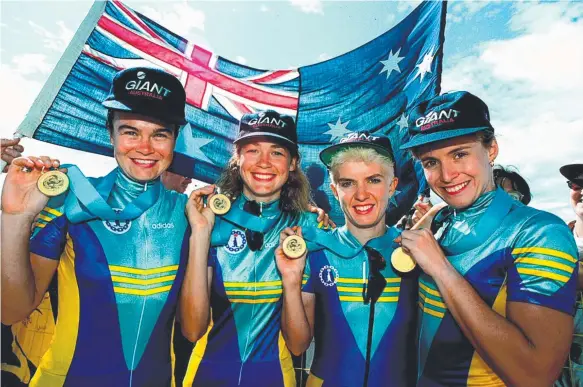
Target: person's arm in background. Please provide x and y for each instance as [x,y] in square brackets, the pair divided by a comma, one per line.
[10,150]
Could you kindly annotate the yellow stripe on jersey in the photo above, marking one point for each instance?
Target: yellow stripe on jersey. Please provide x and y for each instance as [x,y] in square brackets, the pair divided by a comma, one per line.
[196,357]
[480,374]
[286,363]
[59,356]
[137,281]
[544,251]
[429,290]
[45,218]
[427,300]
[142,292]
[253,301]
[52,211]
[253,293]
[135,270]
[251,284]
[432,312]
[360,299]
[547,263]
[544,274]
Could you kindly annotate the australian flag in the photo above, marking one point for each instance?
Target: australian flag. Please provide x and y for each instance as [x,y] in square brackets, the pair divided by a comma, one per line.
[370,88]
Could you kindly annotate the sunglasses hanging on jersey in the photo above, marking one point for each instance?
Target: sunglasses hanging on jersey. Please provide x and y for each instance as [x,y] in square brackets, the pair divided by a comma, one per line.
[254,238]
[376,281]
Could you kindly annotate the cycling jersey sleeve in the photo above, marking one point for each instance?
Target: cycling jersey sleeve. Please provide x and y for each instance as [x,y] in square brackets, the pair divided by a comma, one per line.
[544,270]
[50,231]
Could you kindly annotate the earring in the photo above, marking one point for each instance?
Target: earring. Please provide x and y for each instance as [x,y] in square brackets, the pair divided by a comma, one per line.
[492,163]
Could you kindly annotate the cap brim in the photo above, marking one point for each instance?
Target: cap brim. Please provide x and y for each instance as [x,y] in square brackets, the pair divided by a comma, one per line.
[117,105]
[327,154]
[279,139]
[424,139]
[573,172]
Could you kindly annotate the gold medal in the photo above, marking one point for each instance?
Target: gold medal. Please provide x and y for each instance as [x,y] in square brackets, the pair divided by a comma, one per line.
[53,183]
[401,261]
[220,204]
[294,246]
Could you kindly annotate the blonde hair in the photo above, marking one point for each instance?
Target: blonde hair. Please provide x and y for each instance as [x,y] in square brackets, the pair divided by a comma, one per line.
[366,155]
[295,193]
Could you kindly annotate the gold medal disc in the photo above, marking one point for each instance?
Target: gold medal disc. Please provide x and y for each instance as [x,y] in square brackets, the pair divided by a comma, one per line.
[220,204]
[294,246]
[53,183]
[401,261]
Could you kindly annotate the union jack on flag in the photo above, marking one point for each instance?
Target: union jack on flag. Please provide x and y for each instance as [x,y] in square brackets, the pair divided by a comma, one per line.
[369,88]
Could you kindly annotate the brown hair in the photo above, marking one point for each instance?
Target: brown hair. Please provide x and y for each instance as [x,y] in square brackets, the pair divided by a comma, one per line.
[486,137]
[111,116]
[295,193]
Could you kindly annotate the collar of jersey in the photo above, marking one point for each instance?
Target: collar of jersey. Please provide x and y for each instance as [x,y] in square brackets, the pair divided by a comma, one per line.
[475,210]
[345,245]
[269,209]
[479,220]
[131,187]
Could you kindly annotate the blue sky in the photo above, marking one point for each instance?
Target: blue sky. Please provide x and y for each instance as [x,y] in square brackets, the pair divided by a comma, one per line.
[525,59]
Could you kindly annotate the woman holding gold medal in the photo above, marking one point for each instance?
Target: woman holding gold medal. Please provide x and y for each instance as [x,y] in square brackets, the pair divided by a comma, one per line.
[118,243]
[360,309]
[497,292]
[231,272]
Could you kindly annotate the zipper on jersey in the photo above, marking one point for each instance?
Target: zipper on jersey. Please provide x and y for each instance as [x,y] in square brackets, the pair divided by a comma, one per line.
[147,250]
[369,342]
[252,318]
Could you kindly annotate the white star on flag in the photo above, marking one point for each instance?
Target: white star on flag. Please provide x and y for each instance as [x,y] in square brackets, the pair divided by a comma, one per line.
[191,146]
[425,65]
[402,123]
[392,63]
[338,129]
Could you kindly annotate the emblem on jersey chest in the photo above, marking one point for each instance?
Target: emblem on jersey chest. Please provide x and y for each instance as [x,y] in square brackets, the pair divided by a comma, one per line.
[118,226]
[328,275]
[237,242]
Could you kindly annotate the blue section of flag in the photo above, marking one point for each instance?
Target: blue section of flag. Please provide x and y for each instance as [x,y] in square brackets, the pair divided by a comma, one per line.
[369,99]
[369,88]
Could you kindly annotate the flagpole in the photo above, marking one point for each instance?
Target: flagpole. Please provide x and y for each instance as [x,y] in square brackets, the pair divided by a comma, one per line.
[51,88]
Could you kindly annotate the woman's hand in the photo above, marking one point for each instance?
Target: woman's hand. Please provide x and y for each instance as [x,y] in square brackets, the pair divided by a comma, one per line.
[425,250]
[291,270]
[323,219]
[200,217]
[20,194]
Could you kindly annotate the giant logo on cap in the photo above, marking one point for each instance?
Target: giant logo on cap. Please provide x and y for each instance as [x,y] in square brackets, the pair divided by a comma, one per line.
[144,88]
[358,137]
[264,120]
[435,118]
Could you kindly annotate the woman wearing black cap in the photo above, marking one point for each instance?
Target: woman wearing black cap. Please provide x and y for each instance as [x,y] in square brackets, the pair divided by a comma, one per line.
[498,289]
[242,286]
[359,309]
[117,244]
